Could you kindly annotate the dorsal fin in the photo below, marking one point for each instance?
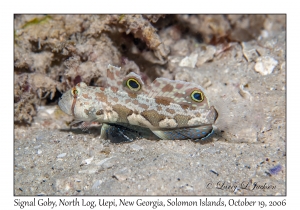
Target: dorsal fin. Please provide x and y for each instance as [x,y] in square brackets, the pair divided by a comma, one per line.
[179,92]
[114,76]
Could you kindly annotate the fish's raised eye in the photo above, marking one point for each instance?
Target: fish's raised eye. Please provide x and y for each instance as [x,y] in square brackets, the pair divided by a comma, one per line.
[133,84]
[74,92]
[197,96]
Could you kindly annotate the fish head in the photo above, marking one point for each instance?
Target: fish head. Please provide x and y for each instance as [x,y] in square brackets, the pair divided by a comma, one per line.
[79,102]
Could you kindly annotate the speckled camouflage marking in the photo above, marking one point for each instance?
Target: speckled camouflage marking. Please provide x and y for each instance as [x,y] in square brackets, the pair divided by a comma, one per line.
[165,107]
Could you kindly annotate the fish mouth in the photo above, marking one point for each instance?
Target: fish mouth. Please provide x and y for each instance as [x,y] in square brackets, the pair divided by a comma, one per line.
[212,115]
[63,107]
[215,112]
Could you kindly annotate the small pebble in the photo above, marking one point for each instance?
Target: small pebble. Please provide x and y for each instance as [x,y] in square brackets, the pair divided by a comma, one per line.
[96,184]
[108,164]
[245,93]
[38,146]
[136,147]
[40,137]
[275,169]
[189,188]
[122,174]
[120,177]
[265,65]
[87,161]
[264,33]
[61,155]
[214,172]
[206,54]
[189,61]
[249,51]
[103,161]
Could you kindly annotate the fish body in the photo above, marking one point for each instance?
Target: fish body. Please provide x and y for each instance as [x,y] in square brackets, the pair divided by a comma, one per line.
[128,109]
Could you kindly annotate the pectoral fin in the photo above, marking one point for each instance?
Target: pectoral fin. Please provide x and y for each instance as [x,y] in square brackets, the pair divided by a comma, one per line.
[118,133]
[195,133]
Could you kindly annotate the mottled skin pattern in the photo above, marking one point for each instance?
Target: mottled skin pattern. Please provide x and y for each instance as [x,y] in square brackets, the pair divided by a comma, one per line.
[170,109]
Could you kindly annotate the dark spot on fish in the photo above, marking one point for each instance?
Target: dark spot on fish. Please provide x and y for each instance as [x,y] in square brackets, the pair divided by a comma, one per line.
[99,112]
[110,75]
[153,117]
[182,120]
[179,86]
[132,95]
[167,88]
[123,112]
[163,101]
[171,111]
[144,106]
[114,89]
[85,95]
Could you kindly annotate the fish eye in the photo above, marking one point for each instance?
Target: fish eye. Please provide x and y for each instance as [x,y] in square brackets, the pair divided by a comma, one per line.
[133,84]
[197,96]
[75,91]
